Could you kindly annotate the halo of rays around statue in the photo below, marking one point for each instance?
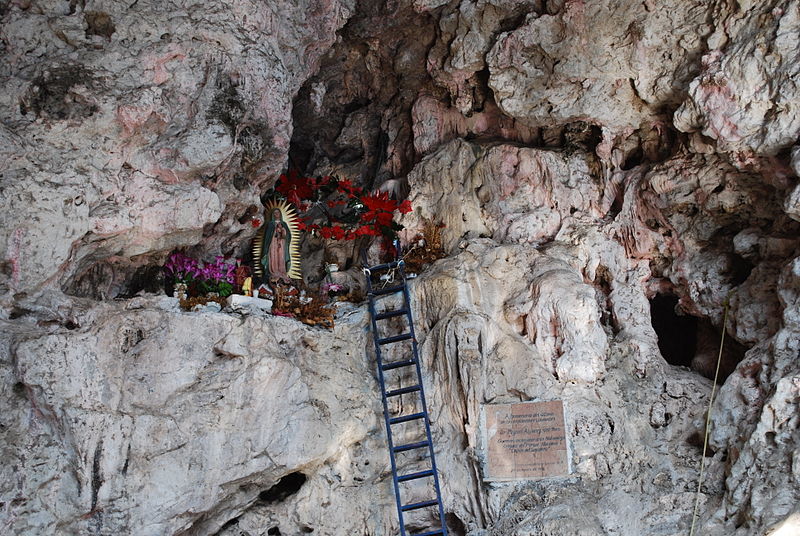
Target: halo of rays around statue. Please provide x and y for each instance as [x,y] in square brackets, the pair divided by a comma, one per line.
[291,219]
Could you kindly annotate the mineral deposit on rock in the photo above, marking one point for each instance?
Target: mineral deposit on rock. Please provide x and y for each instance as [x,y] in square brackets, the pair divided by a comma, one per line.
[615,184]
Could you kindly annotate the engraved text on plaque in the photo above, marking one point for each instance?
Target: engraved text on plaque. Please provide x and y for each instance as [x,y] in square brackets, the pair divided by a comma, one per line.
[525,440]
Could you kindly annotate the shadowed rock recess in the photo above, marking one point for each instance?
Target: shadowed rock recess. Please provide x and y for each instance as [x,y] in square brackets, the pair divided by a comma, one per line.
[610,174]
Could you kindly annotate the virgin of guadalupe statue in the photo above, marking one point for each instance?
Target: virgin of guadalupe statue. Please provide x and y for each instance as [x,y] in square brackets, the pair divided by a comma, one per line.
[276,260]
[276,248]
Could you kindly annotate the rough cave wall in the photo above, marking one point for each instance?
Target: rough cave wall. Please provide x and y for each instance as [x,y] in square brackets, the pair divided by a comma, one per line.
[586,157]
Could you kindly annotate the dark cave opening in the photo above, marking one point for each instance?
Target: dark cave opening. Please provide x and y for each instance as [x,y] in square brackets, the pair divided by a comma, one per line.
[677,333]
[696,439]
[149,278]
[286,486]
[741,269]
[633,159]
[455,525]
[688,341]
[229,524]
[19,389]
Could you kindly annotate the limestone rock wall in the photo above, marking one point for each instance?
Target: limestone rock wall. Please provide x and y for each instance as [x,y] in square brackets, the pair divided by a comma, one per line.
[132,426]
[592,280]
[132,128]
[587,159]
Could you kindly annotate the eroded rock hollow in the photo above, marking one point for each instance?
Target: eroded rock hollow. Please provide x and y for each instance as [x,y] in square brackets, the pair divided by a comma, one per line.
[617,184]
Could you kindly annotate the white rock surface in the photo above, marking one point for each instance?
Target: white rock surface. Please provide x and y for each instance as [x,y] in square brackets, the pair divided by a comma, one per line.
[610,62]
[668,218]
[216,409]
[743,97]
[172,422]
[584,157]
[145,128]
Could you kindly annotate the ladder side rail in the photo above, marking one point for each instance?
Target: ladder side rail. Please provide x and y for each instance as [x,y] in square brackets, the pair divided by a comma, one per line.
[387,424]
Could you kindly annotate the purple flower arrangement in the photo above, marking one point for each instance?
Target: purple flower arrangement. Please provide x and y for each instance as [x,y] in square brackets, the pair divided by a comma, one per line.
[219,270]
[181,268]
[217,276]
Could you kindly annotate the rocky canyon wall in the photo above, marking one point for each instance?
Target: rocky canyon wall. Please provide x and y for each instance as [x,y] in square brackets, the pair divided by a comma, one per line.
[618,186]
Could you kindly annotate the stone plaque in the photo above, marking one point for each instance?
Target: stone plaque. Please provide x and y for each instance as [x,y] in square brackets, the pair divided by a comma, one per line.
[525,440]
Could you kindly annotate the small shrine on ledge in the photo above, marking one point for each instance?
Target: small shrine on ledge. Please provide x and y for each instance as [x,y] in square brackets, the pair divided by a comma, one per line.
[304,257]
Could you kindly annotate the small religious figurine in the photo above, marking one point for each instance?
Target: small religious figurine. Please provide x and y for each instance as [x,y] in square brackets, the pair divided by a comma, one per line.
[247,286]
[276,248]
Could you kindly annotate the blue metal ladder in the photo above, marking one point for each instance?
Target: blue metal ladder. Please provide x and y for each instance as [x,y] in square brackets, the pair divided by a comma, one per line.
[374,294]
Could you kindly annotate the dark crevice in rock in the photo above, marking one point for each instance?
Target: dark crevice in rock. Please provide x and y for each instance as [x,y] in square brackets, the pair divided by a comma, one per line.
[697,439]
[602,283]
[248,214]
[99,23]
[228,109]
[455,526]
[17,312]
[677,333]
[107,280]
[130,338]
[708,357]
[553,7]
[741,269]
[582,136]
[97,475]
[688,341]
[229,524]
[144,279]
[633,159]
[54,94]
[127,461]
[286,487]
[19,389]
[240,182]
[74,4]
[482,92]
[513,21]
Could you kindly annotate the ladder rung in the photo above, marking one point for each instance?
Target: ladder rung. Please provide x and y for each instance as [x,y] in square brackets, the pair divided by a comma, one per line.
[434,533]
[411,446]
[395,338]
[387,290]
[390,314]
[403,390]
[387,266]
[397,364]
[415,506]
[406,418]
[414,476]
